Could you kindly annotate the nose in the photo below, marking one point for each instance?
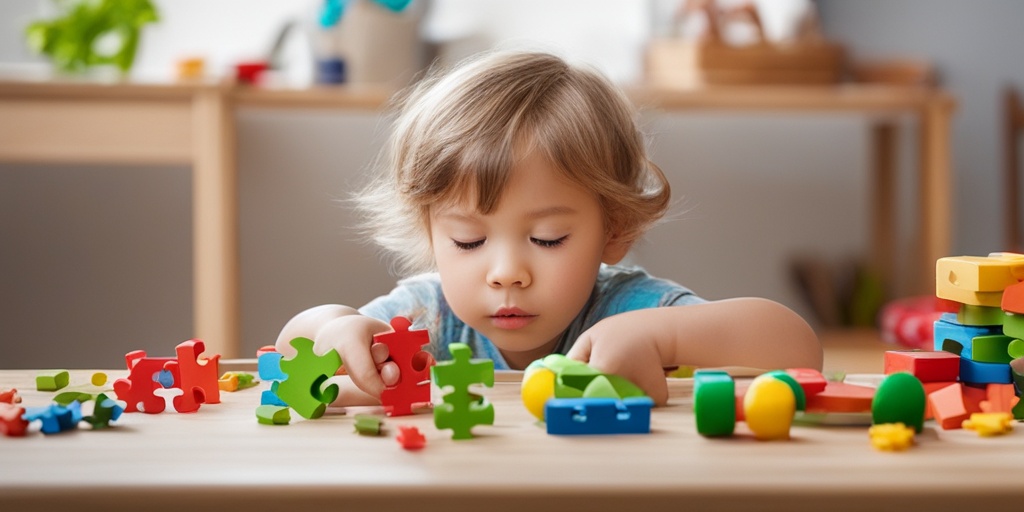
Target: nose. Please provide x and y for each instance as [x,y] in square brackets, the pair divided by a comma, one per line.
[509,270]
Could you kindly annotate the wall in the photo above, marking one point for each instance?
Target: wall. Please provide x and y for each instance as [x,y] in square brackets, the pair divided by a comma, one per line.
[96,261]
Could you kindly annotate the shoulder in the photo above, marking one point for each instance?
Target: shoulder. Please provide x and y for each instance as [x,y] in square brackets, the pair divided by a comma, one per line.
[414,297]
[634,288]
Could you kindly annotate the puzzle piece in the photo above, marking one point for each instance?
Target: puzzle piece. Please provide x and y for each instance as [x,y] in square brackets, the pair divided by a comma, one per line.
[105,411]
[140,384]
[307,372]
[369,425]
[197,377]
[10,396]
[988,424]
[52,380]
[56,418]
[405,350]
[12,421]
[410,437]
[273,415]
[268,361]
[891,437]
[462,410]
[588,416]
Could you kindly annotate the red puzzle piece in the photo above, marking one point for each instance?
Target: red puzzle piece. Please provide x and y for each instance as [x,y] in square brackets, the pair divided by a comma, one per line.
[12,421]
[10,396]
[190,373]
[410,437]
[405,349]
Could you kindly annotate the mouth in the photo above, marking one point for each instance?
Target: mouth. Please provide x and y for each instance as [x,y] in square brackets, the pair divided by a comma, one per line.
[511,318]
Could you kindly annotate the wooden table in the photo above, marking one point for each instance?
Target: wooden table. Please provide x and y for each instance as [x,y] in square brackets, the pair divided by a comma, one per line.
[194,123]
[220,457]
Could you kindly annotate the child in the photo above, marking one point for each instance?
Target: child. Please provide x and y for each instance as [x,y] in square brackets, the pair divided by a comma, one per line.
[522,181]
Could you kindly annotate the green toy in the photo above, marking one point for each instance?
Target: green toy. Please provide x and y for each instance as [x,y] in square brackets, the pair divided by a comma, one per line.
[714,403]
[273,415]
[52,380]
[798,390]
[900,398]
[307,373]
[369,425]
[105,411]
[462,410]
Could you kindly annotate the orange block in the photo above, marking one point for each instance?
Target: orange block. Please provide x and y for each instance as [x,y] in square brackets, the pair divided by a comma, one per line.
[953,404]
[841,397]
[1000,398]
[929,387]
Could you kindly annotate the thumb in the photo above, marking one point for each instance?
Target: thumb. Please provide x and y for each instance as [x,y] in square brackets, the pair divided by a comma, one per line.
[581,350]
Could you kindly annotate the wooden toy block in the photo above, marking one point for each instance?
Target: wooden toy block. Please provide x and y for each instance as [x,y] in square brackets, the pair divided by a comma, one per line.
[572,380]
[999,398]
[810,379]
[992,348]
[405,348]
[10,396]
[307,372]
[980,315]
[947,328]
[768,407]
[273,415]
[989,299]
[612,386]
[891,437]
[1013,299]
[988,424]
[714,400]
[927,366]
[228,382]
[410,438]
[842,397]
[598,416]
[991,273]
[368,425]
[929,387]
[104,412]
[1013,325]
[52,380]
[974,372]
[952,404]
[900,398]
[462,410]
[12,420]
[67,397]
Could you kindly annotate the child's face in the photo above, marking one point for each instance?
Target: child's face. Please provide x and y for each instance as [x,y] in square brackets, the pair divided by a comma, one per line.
[522,273]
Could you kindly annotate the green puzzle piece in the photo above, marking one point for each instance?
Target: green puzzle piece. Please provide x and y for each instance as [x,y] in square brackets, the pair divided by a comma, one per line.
[307,373]
[462,410]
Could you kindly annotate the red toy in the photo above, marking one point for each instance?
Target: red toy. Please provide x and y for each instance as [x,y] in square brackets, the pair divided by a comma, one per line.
[10,397]
[927,366]
[197,378]
[12,421]
[404,348]
[410,438]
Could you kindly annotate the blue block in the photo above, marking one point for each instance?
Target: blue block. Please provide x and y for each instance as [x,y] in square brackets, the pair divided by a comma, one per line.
[588,416]
[947,328]
[269,366]
[974,372]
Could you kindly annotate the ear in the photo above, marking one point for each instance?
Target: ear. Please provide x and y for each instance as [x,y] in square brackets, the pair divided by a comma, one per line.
[615,249]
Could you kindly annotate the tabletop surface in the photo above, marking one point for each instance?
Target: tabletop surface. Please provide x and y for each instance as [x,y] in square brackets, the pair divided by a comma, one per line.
[220,455]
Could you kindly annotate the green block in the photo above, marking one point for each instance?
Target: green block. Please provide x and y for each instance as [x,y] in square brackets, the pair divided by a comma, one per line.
[273,415]
[1016,349]
[991,348]
[714,403]
[1013,325]
[52,380]
[798,390]
[900,398]
[970,314]
[369,425]
[572,381]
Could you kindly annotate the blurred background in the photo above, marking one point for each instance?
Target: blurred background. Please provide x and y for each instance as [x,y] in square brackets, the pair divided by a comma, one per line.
[96,260]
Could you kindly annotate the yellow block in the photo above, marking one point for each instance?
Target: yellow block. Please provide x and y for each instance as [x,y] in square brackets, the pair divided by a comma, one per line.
[960,277]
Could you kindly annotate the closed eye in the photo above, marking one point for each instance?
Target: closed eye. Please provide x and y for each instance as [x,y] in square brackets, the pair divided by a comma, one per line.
[549,243]
[468,246]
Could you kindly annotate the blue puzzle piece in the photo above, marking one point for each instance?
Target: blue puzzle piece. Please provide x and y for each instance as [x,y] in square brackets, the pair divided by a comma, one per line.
[585,416]
[165,378]
[975,372]
[56,418]
[947,328]
[269,366]
[269,397]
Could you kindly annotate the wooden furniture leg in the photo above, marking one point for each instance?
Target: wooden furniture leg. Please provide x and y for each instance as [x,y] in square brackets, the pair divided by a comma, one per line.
[883,213]
[935,190]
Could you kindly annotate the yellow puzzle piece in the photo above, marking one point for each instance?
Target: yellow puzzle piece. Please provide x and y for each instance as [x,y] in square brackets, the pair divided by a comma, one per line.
[891,437]
[988,424]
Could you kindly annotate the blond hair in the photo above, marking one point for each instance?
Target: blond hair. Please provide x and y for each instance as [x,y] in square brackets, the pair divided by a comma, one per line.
[463,131]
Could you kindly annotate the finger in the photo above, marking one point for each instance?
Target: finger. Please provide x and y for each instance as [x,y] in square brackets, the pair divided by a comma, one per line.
[389,373]
[361,367]
[580,350]
[349,395]
[380,353]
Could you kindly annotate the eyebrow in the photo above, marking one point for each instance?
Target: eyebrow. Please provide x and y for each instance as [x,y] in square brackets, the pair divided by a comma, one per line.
[535,214]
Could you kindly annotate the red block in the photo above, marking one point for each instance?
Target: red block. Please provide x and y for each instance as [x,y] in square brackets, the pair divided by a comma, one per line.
[841,397]
[927,366]
[811,380]
[953,404]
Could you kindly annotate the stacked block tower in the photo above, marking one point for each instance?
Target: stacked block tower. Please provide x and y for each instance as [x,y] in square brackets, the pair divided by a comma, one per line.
[987,330]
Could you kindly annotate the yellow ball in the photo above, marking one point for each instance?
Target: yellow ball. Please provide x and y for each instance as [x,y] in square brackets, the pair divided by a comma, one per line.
[769,406]
[538,387]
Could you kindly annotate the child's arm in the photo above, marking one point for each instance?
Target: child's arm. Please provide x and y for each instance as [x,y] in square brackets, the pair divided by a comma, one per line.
[751,332]
[351,334]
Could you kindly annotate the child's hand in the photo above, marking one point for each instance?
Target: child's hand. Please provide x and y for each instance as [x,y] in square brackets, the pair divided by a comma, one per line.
[343,329]
[618,345]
